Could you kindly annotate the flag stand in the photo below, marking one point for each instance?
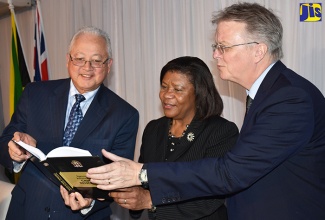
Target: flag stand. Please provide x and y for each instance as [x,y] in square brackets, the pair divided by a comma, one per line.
[19,75]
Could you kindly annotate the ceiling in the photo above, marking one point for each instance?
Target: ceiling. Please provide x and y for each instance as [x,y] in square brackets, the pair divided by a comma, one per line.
[19,5]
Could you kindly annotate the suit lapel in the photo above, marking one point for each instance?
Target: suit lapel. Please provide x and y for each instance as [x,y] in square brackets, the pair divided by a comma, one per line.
[265,87]
[161,141]
[57,108]
[94,115]
[194,130]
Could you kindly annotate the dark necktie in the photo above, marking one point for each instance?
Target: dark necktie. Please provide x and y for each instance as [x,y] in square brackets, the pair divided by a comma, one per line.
[74,120]
[249,102]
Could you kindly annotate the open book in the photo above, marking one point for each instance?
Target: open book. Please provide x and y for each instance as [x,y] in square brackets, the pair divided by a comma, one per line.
[67,166]
[57,152]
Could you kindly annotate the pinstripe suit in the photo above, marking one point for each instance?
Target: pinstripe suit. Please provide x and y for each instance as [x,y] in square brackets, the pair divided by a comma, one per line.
[276,168]
[213,138]
[110,123]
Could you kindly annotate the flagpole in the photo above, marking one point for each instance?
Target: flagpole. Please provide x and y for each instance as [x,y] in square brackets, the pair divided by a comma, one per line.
[11,6]
[12,73]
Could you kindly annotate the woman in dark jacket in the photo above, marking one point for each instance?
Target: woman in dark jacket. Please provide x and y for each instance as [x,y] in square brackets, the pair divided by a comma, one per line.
[191,129]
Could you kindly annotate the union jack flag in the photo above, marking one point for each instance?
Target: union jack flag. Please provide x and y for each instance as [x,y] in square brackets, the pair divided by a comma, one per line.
[40,54]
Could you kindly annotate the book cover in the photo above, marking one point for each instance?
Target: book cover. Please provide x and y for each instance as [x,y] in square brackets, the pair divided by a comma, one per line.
[67,166]
[71,173]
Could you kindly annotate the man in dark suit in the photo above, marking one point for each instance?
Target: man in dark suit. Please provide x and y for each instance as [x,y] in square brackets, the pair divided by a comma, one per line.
[40,119]
[276,168]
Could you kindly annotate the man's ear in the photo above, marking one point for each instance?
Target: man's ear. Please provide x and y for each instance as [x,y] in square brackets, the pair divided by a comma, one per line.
[110,61]
[67,58]
[109,64]
[260,52]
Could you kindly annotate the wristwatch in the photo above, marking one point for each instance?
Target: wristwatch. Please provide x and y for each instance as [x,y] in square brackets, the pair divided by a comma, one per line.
[153,208]
[143,177]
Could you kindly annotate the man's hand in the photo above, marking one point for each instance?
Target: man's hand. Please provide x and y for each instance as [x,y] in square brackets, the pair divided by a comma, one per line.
[17,153]
[134,198]
[75,200]
[121,173]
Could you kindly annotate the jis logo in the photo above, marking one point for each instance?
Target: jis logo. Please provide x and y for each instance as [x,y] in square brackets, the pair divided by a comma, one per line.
[310,12]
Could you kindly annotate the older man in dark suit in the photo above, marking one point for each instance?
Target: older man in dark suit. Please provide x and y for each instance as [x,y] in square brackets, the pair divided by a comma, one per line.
[42,120]
[276,168]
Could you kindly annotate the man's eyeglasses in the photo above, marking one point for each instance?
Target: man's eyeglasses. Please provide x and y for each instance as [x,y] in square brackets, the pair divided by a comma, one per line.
[93,63]
[221,48]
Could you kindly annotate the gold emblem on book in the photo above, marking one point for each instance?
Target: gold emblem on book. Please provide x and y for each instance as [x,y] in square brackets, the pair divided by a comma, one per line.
[76,163]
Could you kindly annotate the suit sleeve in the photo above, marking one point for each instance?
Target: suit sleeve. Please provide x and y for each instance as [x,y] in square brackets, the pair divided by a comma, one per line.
[124,144]
[280,127]
[218,143]
[17,123]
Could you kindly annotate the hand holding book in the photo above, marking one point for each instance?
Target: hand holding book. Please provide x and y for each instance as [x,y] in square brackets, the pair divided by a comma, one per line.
[17,153]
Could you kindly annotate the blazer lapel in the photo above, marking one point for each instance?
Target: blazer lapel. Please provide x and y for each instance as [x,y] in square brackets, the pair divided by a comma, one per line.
[57,108]
[161,141]
[94,115]
[189,139]
[265,87]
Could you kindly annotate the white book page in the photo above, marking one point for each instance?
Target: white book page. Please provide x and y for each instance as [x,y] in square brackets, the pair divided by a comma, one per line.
[57,152]
[33,150]
[68,152]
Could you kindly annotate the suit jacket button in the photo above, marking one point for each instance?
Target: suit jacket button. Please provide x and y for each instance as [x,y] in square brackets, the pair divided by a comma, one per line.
[163,200]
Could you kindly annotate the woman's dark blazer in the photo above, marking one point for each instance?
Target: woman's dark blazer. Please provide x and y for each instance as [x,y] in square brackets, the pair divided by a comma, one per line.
[213,137]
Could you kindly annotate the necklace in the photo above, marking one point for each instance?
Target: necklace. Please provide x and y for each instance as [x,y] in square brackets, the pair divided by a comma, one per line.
[173,136]
[174,141]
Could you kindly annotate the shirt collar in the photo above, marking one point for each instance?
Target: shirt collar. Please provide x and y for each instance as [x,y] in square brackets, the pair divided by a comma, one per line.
[252,92]
[88,95]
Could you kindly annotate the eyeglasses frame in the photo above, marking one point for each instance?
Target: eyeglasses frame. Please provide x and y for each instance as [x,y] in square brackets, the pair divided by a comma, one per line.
[222,47]
[90,61]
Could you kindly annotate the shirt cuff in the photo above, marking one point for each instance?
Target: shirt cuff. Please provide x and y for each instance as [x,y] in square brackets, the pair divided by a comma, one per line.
[86,210]
[18,166]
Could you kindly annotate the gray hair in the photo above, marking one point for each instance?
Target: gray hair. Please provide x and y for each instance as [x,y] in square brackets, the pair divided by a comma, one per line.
[262,25]
[95,31]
